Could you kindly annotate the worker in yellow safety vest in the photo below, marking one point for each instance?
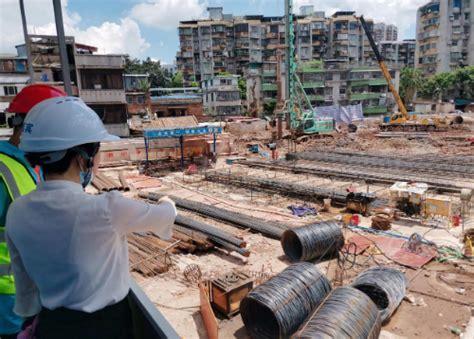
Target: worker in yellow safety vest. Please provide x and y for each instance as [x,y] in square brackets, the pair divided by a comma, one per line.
[17,178]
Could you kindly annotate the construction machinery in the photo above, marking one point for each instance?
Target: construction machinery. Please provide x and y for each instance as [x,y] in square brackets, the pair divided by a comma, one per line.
[402,120]
[303,118]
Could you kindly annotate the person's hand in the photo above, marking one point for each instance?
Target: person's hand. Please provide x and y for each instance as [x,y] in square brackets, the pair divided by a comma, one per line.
[167,199]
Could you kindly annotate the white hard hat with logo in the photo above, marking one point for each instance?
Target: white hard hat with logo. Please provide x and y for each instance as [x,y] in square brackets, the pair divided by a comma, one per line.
[61,123]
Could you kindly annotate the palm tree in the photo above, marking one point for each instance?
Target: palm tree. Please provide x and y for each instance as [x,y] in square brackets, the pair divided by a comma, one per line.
[144,85]
[411,80]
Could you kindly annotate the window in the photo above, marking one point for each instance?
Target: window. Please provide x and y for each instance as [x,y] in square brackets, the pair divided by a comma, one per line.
[140,99]
[342,90]
[10,90]
[101,79]
[129,99]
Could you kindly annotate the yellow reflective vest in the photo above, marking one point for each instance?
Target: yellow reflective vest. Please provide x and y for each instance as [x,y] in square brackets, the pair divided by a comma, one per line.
[18,181]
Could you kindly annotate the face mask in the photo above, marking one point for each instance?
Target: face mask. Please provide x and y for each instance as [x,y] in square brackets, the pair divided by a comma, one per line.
[86,177]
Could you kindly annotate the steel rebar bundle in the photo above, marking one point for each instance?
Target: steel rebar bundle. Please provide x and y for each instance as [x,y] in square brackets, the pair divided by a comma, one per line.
[209,230]
[320,241]
[238,219]
[284,188]
[385,286]
[276,308]
[367,173]
[346,313]
[438,167]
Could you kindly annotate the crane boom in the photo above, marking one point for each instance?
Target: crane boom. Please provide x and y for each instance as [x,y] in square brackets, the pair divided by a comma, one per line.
[384,69]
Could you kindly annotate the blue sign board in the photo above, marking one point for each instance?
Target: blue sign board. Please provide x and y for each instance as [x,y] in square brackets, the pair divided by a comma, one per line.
[178,132]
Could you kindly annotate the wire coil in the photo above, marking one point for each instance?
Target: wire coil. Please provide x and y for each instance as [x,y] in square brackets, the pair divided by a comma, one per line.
[276,308]
[346,313]
[385,286]
[320,241]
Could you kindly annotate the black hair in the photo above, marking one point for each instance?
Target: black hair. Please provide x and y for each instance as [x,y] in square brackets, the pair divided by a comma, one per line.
[62,165]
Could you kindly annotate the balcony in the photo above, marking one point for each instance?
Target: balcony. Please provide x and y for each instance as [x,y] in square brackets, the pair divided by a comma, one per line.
[316,97]
[96,96]
[269,87]
[365,96]
[314,84]
[368,82]
[269,100]
[88,61]
[269,74]
[375,110]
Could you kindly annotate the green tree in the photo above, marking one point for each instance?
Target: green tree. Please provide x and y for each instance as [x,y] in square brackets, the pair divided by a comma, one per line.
[158,76]
[194,84]
[144,85]
[314,64]
[243,88]
[178,80]
[411,80]
[464,82]
[439,86]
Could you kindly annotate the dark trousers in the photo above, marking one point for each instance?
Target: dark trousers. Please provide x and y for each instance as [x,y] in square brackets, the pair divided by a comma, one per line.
[8,336]
[114,322]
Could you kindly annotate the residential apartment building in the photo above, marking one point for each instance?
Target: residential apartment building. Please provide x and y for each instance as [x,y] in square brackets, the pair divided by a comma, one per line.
[383,32]
[339,85]
[391,33]
[135,97]
[13,77]
[221,95]
[97,79]
[46,59]
[240,45]
[101,86]
[398,54]
[347,39]
[445,36]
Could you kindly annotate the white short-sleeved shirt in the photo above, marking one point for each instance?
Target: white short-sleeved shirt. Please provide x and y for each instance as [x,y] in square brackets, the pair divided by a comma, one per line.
[69,248]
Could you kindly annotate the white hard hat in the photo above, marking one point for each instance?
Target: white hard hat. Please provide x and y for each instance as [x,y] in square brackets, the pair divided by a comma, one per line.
[61,123]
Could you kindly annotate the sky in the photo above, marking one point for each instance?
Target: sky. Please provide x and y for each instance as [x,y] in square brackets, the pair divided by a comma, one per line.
[148,28]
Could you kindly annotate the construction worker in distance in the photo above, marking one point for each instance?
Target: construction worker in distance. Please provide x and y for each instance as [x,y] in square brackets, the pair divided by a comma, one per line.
[69,248]
[17,178]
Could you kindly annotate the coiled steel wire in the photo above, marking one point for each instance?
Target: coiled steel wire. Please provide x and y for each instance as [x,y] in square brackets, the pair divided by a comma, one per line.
[320,241]
[385,286]
[276,308]
[257,225]
[346,313]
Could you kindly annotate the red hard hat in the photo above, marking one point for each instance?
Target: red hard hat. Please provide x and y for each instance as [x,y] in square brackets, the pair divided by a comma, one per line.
[32,95]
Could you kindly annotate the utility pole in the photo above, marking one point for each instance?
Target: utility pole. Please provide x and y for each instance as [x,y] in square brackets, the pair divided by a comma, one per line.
[27,43]
[58,16]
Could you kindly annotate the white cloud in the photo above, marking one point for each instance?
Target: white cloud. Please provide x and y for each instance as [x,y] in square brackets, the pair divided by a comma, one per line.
[399,12]
[166,14]
[123,36]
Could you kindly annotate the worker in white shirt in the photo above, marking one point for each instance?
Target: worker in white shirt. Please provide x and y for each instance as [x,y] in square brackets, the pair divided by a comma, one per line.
[69,248]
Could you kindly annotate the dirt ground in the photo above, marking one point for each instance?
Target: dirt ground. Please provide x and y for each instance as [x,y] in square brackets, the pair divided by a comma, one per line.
[440,296]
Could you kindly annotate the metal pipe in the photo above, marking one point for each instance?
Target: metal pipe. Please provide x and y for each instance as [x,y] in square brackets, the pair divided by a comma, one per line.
[27,43]
[58,16]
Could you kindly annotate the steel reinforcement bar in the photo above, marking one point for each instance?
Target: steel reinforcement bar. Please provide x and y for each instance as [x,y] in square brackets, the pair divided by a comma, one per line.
[367,175]
[440,168]
[287,189]
[271,230]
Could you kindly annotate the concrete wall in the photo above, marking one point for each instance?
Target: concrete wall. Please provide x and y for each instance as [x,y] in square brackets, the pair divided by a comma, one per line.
[134,149]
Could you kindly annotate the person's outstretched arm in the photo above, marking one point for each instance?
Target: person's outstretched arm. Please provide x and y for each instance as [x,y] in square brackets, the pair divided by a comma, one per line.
[128,215]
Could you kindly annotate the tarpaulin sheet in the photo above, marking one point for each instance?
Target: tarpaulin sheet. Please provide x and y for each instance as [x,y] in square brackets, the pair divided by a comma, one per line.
[397,250]
[345,114]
